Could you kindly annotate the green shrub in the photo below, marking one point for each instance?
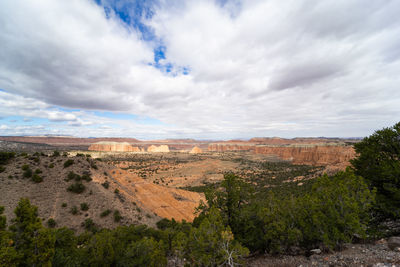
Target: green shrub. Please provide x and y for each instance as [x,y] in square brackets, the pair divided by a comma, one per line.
[2,169]
[56,153]
[117,216]
[76,187]
[84,206]
[64,205]
[89,225]
[25,167]
[27,173]
[116,191]
[38,171]
[74,210]
[51,165]
[37,178]
[5,157]
[106,184]
[51,223]
[86,176]
[73,176]
[68,163]
[105,213]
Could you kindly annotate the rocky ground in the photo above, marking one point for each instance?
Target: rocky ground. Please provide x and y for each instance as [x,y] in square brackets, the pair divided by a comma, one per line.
[377,254]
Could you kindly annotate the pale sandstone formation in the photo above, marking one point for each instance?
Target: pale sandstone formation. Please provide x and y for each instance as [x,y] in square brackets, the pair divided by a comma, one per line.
[113,147]
[196,150]
[162,148]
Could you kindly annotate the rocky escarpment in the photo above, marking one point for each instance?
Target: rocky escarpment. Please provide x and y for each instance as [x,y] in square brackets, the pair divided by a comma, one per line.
[223,147]
[162,148]
[113,147]
[310,154]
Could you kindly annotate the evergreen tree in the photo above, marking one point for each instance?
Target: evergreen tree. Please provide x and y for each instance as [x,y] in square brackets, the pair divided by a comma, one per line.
[378,162]
[33,242]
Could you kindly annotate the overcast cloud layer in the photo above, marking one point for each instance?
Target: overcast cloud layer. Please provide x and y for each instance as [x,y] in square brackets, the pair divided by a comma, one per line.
[229,69]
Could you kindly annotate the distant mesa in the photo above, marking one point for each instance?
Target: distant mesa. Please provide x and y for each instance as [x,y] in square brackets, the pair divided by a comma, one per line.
[196,150]
[162,148]
[113,147]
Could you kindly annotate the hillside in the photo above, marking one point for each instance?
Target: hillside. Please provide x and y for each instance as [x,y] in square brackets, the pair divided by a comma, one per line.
[137,200]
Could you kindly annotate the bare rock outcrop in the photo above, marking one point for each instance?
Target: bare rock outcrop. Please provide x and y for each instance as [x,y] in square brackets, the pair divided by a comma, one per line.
[113,147]
[196,150]
[162,148]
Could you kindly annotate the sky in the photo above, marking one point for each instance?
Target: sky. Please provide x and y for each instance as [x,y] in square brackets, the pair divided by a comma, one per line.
[204,69]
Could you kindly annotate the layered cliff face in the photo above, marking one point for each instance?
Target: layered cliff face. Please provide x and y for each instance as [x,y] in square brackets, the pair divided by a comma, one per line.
[113,147]
[222,147]
[162,148]
[310,155]
[196,150]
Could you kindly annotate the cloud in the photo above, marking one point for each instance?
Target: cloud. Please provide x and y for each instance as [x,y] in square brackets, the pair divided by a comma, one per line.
[257,68]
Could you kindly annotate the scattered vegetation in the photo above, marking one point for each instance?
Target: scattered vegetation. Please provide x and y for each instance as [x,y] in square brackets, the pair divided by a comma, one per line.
[36,178]
[77,188]
[106,184]
[84,206]
[74,210]
[105,213]
[51,223]
[117,216]
[68,163]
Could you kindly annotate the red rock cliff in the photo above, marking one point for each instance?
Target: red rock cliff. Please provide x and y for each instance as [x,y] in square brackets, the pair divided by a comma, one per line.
[310,155]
